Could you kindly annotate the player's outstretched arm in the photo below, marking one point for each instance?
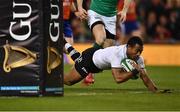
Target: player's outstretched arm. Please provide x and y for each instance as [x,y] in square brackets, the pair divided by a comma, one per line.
[147,81]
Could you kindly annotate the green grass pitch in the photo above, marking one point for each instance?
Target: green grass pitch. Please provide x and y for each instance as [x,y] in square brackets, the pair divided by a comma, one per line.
[105,94]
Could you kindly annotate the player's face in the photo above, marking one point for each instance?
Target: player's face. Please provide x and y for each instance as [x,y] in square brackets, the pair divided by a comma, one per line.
[134,52]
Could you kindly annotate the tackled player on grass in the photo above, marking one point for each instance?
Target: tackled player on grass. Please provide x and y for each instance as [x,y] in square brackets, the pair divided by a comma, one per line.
[95,60]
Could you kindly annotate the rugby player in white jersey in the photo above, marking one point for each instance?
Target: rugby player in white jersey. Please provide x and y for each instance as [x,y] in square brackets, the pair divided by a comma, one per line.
[95,60]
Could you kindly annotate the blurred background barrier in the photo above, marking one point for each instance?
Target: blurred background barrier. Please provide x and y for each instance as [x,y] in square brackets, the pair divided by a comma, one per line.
[164,54]
[31,47]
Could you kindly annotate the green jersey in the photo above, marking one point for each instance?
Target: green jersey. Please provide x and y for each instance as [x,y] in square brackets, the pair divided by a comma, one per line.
[104,7]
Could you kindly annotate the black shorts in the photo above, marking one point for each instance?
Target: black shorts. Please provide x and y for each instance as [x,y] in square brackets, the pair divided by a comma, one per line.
[86,65]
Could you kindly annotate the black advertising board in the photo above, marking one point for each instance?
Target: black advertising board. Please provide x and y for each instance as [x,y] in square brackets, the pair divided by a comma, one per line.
[30,47]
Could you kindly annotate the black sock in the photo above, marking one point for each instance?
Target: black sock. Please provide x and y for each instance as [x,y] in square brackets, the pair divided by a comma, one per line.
[75,55]
[64,41]
[97,46]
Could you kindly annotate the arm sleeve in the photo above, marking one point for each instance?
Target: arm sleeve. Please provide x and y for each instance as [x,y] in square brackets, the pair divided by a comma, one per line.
[116,62]
[140,61]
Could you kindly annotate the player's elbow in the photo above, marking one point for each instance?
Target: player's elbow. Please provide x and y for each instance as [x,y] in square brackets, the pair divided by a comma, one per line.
[119,80]
[120,77]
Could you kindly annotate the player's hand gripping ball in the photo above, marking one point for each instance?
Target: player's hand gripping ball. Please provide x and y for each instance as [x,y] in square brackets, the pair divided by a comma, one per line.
[127,65]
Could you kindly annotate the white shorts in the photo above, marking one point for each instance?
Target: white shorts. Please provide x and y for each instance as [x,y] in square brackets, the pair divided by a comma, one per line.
[109,22]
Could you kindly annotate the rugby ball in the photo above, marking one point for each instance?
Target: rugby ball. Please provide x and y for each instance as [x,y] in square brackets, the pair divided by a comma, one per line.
[127,64]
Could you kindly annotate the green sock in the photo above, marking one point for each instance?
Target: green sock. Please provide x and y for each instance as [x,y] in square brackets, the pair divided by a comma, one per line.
[97,46]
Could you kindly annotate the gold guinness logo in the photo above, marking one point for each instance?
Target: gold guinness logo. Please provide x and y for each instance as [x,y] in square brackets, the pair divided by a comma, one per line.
[53,59]
[16,56]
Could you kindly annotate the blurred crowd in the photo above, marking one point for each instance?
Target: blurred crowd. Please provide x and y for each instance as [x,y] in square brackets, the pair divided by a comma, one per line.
[158,21]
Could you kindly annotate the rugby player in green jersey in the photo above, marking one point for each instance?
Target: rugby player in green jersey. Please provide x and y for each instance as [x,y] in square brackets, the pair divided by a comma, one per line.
[102,17]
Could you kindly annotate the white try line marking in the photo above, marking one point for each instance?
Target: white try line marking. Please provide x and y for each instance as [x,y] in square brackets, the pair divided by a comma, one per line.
[100,94]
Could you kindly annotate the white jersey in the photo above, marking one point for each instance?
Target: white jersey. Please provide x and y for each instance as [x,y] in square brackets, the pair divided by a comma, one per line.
[111,57]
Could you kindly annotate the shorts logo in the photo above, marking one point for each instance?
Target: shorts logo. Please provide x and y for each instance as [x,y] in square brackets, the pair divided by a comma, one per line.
[84,69]
[78,60]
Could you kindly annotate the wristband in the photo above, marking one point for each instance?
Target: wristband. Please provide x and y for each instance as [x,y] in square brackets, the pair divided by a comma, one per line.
[135,72]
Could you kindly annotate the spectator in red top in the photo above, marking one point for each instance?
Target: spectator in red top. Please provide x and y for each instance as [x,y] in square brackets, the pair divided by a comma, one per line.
[68,7]
[130,27]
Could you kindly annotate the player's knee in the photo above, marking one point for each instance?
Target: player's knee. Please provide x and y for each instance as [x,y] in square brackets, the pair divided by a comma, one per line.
[68,83]
[100,41]
[108,43]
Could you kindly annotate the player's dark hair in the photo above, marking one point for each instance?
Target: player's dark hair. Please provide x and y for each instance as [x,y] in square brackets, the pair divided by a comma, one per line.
[135,40]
